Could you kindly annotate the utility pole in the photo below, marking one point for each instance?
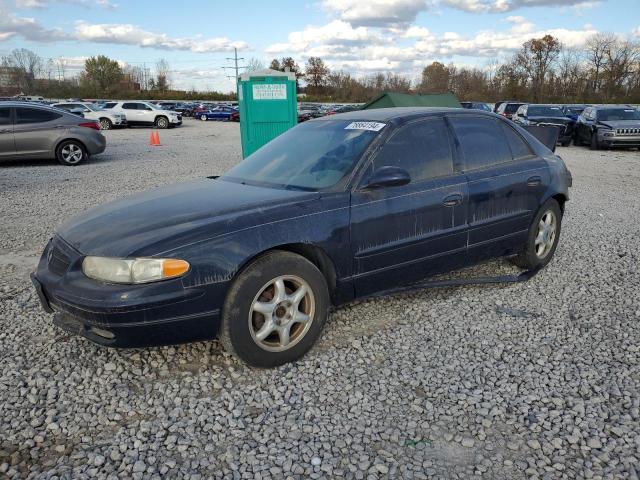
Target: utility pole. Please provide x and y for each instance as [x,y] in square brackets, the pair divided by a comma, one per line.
[236,67]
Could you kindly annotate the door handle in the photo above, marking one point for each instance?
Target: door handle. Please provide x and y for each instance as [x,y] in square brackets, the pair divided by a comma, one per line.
[452,200]
[534,181]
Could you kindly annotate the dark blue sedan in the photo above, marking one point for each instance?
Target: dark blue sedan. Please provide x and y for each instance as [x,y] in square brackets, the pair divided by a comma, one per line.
[335,209]
[218,113]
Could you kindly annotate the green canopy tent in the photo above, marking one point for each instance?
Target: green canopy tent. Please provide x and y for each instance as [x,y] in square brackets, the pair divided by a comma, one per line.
[395,99]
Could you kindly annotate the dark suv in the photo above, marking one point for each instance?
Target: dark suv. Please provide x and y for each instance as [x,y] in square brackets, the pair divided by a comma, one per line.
[546,115]
[608,126]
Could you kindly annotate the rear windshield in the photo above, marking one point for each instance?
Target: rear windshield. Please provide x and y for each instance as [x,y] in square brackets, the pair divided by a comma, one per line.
[311,156]
[612,114]
[542,111]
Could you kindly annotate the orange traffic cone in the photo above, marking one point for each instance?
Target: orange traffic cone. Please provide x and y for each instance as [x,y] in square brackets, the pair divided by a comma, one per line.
[154,138]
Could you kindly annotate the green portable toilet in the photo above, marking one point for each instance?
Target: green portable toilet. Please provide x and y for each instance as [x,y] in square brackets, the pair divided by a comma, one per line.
[268,107]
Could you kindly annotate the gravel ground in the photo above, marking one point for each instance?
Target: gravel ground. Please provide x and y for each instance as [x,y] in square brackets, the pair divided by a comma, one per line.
[533,380]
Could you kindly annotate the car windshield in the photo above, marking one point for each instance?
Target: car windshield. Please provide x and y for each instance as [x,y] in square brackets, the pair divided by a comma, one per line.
[310,156]
[544,111]
[93,108]
[155,107]
[612,114]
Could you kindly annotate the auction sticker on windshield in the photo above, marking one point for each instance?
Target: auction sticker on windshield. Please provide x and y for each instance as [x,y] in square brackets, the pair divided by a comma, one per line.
[372,126]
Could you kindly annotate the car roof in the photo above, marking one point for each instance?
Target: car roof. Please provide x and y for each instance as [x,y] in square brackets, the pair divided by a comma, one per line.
[387,114]
[18,103]
[618,105]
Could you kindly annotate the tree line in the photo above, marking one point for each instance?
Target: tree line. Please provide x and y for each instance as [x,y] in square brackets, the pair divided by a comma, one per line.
[605,70]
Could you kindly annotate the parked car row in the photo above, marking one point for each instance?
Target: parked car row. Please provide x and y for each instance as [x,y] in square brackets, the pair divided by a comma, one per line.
[598,126]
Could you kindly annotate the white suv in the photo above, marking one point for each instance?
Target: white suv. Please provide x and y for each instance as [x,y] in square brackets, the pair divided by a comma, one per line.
[106,118]
[143,113]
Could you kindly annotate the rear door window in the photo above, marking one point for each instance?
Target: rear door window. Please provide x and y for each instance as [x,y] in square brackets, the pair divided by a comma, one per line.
[482,140]
[519,148]
[423,149]
[35,115]
[130,106]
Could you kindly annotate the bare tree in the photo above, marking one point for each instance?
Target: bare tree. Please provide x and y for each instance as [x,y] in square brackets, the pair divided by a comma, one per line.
[595,49]
[25,67]
[254,65]
[163,75]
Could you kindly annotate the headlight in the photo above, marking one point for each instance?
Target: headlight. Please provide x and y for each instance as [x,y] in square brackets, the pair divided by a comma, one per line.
[133,270]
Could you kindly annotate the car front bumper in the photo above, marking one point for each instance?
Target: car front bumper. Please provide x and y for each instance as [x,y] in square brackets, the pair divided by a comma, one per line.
[160,313]
[618,140]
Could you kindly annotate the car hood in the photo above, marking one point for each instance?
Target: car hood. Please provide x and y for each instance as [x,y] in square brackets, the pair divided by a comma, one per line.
[621,123]
[168,217]
[546,119]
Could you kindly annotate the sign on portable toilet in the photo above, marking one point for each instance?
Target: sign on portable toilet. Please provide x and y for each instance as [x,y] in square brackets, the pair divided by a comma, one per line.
[268,107]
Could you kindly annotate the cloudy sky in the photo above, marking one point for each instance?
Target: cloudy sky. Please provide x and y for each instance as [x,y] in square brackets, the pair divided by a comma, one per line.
[360,36]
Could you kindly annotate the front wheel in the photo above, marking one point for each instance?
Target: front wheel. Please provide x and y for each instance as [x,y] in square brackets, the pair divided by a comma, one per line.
[204,118]
[71,153]
[543,237]
[594,141]
[162,122]
[275,310]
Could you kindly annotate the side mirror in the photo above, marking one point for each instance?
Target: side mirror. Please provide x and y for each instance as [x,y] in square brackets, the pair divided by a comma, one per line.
[388,177]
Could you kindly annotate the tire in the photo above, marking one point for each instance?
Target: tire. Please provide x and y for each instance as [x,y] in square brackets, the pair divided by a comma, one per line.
[594,141]
[105,124]
[162,122]
[532,256]
[71,153]
[204,118]
[248,334]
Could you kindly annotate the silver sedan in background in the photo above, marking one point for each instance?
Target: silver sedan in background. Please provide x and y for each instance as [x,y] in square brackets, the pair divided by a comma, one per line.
[29,130]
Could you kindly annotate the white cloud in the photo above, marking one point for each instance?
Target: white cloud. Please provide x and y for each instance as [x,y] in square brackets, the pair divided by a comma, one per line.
[127,34]
[636,32]
[417,32]
[335,32]
[42,4]
[498,6]
[380,13]
[27,28]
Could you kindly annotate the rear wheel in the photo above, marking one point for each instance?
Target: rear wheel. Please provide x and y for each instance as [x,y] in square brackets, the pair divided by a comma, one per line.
[105,124]
[275,310]
[71,153]
[543,237]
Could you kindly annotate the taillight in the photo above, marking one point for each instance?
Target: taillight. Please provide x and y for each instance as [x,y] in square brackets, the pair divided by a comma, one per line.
[94,125]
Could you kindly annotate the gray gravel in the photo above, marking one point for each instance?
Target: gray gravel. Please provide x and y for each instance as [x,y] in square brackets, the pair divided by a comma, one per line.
[534,380]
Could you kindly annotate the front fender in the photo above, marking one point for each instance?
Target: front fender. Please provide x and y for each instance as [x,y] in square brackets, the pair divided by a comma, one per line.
[217,260]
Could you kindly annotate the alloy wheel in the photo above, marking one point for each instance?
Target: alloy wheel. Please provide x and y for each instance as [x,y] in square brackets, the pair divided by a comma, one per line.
[546,235]
[72,153]
[281,313]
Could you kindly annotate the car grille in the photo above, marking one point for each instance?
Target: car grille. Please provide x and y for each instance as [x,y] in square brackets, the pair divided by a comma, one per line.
[628,131]
[58,261]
